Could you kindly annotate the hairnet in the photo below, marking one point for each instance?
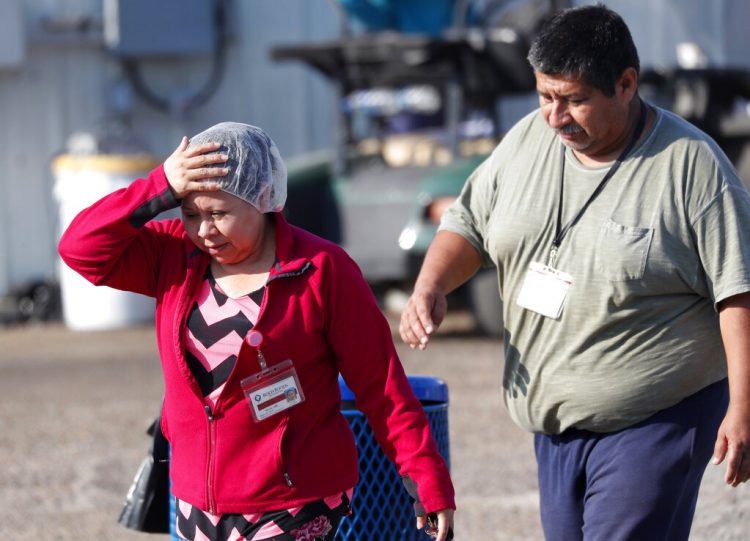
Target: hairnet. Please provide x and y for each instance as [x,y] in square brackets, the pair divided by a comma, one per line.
[256,172]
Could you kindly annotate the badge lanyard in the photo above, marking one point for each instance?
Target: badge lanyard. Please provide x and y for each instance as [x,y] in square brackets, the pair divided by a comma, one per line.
[560,230]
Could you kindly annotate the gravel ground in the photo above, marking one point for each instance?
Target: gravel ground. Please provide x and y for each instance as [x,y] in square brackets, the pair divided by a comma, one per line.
[75,405]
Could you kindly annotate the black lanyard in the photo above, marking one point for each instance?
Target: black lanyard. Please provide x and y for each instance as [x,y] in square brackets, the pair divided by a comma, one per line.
[560,230]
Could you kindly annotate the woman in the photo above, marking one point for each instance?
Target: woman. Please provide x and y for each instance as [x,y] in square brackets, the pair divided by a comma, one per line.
[255,319]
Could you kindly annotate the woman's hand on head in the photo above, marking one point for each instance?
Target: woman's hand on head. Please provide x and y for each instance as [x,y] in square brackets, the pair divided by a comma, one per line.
[188,169]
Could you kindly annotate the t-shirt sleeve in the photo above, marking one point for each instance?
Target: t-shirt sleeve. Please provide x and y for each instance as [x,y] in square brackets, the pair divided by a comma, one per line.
[722,233]
[469,214]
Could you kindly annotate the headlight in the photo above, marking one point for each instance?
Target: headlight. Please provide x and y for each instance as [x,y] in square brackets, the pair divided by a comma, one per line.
[407,238]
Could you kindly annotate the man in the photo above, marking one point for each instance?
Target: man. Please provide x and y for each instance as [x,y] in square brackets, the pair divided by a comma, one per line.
[621,237]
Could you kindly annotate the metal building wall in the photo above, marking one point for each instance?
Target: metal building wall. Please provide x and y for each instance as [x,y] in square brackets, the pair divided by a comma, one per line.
[63,85]
[719,27]
[59,82]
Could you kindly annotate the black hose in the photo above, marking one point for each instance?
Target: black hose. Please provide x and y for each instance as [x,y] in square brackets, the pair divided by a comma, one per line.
[132,69]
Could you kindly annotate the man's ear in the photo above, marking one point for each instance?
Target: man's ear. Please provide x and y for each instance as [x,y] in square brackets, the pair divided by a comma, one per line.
[627,85]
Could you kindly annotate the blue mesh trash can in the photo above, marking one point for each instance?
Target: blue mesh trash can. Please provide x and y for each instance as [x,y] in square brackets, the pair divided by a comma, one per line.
[382,508]
[172,511]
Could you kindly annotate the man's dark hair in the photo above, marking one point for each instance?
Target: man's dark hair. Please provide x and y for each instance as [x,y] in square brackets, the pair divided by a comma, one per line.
[592,43]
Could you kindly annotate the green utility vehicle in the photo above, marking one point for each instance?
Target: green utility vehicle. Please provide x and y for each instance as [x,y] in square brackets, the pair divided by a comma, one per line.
[416,114]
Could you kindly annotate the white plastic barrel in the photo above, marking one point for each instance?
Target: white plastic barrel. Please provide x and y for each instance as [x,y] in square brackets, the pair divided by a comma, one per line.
[81,180]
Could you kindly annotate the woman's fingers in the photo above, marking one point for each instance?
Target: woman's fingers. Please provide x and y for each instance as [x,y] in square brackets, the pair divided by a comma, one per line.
[189,167]
[206,172]
[205,159]
[202,148]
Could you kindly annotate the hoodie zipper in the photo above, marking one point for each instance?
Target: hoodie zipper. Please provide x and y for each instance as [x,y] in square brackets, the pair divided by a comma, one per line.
[209,415]
[210,467]
[287,477]
[288,480]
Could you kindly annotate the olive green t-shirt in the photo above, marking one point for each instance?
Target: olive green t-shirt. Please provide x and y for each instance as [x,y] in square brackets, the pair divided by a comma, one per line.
[666,239]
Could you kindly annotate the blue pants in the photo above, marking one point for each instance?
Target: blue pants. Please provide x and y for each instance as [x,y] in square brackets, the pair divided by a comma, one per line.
[637,484]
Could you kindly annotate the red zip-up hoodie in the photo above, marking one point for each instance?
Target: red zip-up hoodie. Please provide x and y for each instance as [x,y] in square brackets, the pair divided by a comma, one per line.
[318,311]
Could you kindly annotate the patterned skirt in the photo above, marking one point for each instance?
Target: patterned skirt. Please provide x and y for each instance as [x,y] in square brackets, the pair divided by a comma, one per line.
[314,521]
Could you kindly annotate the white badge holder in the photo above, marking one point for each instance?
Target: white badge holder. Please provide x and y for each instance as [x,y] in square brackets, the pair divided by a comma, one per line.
[272,390]
[544,290]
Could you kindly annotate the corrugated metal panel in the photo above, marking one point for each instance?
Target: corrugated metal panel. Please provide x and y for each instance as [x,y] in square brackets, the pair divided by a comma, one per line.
[718,26]
[12,48]
[62,88]
[37,106]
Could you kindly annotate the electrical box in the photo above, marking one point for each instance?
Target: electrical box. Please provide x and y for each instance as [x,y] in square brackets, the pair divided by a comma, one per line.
[138,28]
[12,46]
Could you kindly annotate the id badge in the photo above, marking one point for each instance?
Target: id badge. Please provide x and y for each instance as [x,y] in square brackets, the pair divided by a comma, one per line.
[544,290]
[272,390]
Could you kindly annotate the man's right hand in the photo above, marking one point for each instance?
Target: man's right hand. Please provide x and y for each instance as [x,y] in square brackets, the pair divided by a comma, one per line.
[422,316]
[449,262]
